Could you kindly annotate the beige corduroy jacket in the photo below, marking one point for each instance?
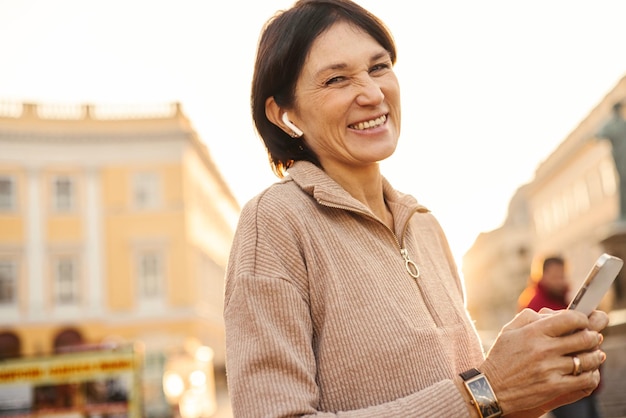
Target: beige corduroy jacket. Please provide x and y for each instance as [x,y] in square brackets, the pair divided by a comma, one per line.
[322,317]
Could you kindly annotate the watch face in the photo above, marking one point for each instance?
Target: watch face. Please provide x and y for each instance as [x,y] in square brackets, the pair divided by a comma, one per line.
[484,397]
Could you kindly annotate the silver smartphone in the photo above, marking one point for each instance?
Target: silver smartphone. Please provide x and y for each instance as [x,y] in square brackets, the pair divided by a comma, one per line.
[596,284]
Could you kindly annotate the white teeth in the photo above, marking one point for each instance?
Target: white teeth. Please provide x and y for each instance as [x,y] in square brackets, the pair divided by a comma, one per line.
[370,123]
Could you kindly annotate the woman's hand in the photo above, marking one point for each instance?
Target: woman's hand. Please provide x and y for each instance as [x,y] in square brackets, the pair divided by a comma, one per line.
[531,364]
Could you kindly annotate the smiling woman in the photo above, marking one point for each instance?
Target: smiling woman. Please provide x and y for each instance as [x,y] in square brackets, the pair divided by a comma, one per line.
[342,295]
[348,110]
[327,77]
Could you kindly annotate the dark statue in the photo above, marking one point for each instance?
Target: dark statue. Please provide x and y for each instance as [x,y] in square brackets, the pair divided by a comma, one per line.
[615,131]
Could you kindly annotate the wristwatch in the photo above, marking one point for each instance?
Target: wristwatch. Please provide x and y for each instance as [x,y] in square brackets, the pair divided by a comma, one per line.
[482,394]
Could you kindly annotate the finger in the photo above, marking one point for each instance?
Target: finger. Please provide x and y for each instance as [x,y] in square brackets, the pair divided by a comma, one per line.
[563,322]
[523,318]
[546,311]
[580,363]
[592,361]
[586,381]
[580,341]
[577,387]
[568,365]
[598,320]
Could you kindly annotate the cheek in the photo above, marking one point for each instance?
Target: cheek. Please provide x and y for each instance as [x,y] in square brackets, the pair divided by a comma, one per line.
[321,110]
[327,118]
[392,94]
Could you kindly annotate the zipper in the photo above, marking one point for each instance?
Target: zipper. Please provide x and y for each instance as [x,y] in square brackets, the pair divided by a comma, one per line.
[409,264]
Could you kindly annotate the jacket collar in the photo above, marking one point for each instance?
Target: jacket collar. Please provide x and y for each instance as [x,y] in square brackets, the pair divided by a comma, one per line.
[315,182]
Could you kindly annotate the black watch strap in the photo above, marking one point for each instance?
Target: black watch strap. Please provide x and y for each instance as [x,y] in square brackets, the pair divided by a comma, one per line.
[467,375]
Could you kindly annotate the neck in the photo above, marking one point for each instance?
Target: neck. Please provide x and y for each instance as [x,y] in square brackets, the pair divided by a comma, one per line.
[365,185]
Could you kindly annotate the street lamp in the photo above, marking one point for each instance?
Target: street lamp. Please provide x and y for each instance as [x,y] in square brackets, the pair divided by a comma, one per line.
[189,382]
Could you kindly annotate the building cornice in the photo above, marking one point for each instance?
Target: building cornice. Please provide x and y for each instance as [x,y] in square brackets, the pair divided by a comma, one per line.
[584,134]
[87,112]
[87,124]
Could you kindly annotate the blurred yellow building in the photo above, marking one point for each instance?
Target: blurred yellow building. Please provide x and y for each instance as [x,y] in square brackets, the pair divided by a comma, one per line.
[115,227]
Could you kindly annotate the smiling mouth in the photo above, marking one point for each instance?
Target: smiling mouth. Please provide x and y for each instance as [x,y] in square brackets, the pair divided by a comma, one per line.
[369,123]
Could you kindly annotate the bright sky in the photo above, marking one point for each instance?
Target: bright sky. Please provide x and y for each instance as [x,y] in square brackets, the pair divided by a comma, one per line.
[489,87]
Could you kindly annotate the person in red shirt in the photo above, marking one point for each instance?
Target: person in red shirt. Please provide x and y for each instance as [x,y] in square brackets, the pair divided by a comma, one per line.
[552,291]
[553,287]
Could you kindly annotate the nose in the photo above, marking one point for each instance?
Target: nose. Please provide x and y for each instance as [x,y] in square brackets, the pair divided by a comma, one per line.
[370,92]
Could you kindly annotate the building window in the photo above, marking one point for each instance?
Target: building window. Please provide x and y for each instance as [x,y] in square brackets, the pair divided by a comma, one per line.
[66,339]
[608,178]
[544,219]
[7,193]
[557,211]
[150,275]
[594,186]
[8,283]
[581,196]
[63,194]
[66,281]
[10,345]
[146,190]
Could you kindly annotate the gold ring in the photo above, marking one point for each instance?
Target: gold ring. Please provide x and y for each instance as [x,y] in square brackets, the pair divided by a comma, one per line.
[577,369]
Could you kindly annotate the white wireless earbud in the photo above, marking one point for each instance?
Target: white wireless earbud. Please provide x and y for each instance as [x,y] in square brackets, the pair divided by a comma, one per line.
[297,133]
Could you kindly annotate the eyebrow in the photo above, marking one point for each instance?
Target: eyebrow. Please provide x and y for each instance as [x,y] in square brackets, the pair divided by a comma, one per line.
[339,66]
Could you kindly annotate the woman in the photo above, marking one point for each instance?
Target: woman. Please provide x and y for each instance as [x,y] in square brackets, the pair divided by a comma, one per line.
[342,296]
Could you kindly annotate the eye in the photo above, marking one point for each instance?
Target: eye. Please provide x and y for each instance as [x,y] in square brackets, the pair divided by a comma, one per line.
[334,80]
[380,67]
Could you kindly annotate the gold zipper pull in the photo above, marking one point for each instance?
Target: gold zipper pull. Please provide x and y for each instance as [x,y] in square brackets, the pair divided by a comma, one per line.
[411,267]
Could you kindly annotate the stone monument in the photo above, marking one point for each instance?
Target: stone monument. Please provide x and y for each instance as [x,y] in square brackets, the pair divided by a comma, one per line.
[615,131]
[615,243]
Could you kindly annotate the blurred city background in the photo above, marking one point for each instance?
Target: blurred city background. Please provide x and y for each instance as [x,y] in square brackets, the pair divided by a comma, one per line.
[127,151]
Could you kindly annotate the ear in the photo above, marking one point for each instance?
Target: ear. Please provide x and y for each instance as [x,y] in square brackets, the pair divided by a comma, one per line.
[273,112]
[277,116]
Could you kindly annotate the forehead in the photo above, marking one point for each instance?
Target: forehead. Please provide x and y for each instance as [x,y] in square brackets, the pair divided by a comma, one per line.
[340,44]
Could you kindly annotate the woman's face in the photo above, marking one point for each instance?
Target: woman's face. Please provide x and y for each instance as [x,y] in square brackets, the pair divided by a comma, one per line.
[348,99]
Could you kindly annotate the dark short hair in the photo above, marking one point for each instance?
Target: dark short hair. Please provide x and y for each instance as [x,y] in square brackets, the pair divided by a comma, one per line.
[558,260]
[283,47]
